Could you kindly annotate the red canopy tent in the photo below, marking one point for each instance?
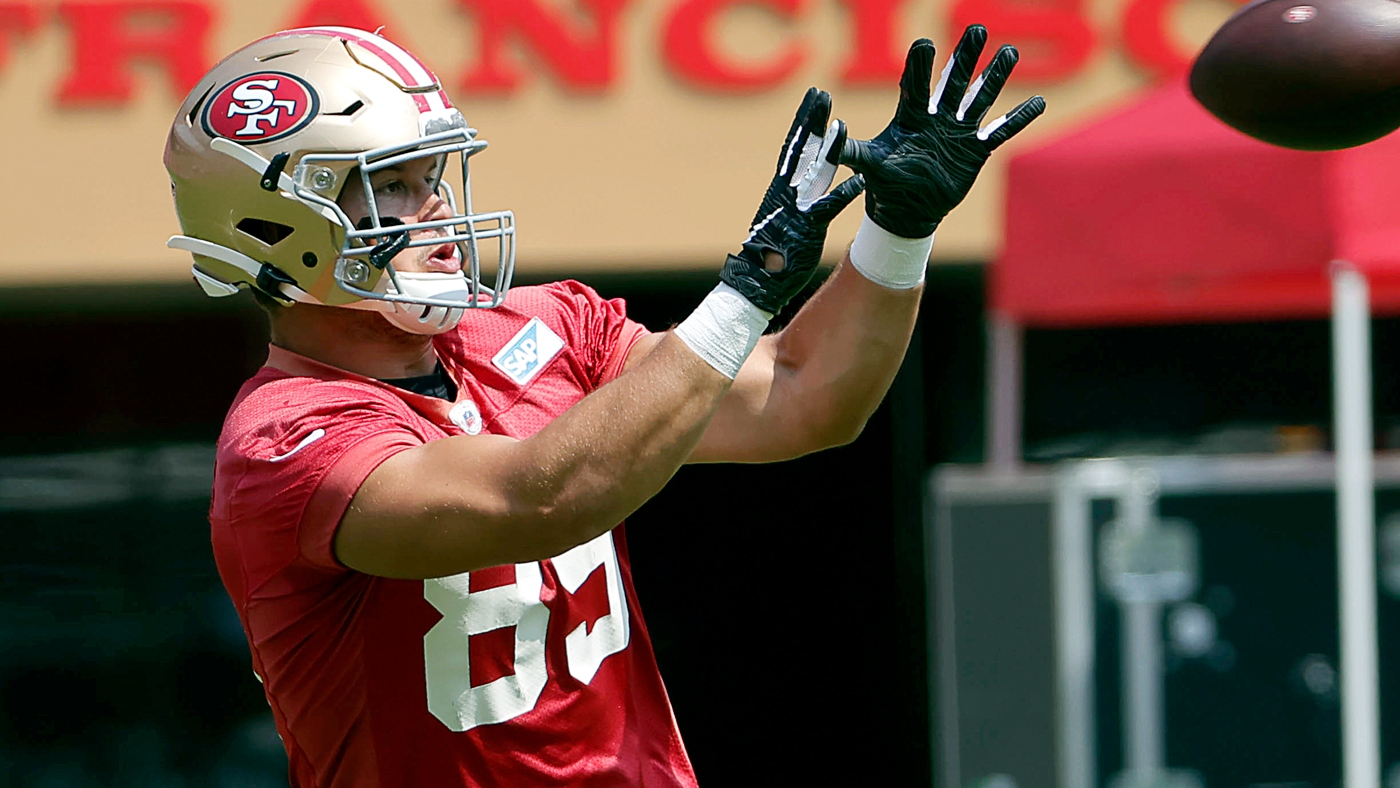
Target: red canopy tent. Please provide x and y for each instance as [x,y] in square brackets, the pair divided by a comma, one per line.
[1161,213]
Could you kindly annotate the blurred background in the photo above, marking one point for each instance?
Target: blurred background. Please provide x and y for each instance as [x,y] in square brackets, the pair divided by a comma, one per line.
[897,611]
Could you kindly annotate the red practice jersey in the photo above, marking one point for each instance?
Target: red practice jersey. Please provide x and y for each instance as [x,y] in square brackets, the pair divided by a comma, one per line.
[536,674]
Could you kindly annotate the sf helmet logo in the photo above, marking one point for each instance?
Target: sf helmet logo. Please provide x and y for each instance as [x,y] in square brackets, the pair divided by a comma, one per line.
[260,107]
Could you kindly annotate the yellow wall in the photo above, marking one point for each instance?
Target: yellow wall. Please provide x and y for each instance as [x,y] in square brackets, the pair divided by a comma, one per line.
[649,172]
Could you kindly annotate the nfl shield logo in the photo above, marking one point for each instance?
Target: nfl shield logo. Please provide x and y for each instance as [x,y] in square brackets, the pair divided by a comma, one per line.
[467,416]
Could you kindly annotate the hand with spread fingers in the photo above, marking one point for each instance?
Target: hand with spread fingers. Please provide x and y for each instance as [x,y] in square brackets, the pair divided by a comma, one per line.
[792,219]
[923,164]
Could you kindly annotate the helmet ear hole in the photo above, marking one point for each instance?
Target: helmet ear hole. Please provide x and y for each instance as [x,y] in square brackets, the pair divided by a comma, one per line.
[349,111]
[266,232]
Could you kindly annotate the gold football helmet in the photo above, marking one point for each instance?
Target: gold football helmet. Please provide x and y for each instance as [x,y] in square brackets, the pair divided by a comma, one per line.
[262,147]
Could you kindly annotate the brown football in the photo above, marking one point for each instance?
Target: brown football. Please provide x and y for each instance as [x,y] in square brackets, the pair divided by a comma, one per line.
[1314,75]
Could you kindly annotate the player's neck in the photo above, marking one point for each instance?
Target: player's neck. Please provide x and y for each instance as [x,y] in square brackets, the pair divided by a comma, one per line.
[357,341]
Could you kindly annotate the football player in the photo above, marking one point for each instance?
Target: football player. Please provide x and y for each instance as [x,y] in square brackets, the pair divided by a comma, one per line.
[417,502]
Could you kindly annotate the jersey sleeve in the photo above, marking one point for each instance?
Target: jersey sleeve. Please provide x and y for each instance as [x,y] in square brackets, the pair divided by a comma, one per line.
[299,467]
[603,333]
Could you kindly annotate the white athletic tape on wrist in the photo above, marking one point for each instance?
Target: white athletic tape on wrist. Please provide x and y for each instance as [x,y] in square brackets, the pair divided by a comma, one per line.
[724,329]
[889,260]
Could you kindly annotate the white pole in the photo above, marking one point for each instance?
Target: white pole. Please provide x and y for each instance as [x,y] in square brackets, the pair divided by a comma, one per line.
[1144,740]
[1356,527]
[1143,737]
[1003,392]
[1073,547]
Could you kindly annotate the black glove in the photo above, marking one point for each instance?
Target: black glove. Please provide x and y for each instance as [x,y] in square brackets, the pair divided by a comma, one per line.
[793,217]
[923,164]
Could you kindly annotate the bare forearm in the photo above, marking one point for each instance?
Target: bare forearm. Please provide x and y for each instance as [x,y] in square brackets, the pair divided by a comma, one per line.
[814,384]
[839,355]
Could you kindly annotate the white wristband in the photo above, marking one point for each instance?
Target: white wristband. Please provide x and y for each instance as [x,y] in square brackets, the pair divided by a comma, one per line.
[889,260]
[724,329]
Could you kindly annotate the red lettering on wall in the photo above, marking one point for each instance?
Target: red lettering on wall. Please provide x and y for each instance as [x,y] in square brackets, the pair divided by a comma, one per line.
[579,41]
[689,52]
[1145,38]
[1053,36]
[17,20]
[876,59]
[341,13]
[1148,40]
[582,60]
[108,37]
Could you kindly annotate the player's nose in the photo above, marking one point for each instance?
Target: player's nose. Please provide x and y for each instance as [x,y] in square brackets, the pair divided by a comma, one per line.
[434,208]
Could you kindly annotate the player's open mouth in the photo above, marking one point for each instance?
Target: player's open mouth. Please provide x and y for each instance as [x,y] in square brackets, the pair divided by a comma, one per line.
[446,259]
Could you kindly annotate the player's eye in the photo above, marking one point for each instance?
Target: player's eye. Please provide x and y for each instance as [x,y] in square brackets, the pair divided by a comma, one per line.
[389,187]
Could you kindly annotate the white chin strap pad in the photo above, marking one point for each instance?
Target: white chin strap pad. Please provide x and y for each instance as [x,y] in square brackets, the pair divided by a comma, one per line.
[416,319]
[422,319]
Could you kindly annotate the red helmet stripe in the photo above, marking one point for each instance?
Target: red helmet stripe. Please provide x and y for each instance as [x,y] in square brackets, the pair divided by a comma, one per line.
[408,68]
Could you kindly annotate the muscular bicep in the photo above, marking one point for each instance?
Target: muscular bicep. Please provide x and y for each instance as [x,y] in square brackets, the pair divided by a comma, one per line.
[460,503]
[442,508]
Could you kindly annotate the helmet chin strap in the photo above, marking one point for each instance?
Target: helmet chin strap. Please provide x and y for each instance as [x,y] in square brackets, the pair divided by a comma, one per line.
[419,318]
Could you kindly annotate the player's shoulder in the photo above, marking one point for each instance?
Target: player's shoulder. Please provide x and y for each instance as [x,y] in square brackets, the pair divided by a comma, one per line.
[274,404]
[274,392]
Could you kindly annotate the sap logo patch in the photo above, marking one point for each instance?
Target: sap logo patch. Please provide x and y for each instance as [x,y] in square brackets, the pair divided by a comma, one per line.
[528,352]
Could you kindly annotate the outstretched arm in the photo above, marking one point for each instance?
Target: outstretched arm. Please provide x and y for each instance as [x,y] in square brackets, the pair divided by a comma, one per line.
[814,384]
